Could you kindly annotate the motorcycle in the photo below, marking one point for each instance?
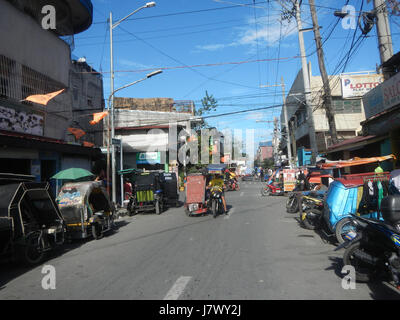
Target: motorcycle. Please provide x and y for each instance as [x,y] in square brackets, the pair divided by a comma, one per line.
[233,185]
[374,246]
[217,207]
[311,213]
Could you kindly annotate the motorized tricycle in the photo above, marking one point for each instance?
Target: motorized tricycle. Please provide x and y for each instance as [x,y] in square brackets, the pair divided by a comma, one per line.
[86,209]
[274,186]
[30,221]
[147,194]
[195,197]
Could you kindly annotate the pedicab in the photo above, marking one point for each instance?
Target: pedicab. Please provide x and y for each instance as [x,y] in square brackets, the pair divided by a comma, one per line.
[169,185]
[275,185]
[147,193]
[30,222]
[195,198]
[86,209]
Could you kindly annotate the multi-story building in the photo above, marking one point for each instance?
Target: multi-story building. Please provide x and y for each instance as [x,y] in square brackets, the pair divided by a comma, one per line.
[144,126]
[264,151]
[37,60]
[347,91]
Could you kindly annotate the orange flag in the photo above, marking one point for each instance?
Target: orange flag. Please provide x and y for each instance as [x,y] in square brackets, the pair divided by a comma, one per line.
[88,144]
[97,117]
[78,133]
[43,98]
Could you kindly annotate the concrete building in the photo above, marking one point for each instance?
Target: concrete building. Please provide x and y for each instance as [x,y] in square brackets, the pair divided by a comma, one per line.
[347,91]
[143,125]
[264,151]
[380,133]
[36,60]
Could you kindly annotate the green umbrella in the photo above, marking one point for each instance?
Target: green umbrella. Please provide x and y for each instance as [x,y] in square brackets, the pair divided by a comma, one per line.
[73,174]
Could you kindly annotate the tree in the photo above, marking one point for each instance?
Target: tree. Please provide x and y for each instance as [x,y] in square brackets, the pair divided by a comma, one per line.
[209,104]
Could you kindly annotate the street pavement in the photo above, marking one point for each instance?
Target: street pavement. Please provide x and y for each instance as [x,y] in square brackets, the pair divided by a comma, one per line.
[256,252]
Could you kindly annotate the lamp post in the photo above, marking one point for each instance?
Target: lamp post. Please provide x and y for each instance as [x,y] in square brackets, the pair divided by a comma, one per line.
[111,97]
[111,103]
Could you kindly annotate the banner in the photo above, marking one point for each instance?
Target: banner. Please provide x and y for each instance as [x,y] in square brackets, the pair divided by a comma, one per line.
[358,85]
[148,158]
[97,117]
[21,121]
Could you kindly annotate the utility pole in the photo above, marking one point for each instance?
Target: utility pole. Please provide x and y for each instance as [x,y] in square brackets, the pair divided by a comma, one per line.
[284,109]
[307,90]
[325,79]
[276,141]
[384,34]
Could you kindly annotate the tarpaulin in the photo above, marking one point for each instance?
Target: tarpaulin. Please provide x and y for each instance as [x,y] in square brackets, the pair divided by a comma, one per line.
[355,162]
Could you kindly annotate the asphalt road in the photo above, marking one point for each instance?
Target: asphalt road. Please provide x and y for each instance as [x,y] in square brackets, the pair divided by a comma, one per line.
[256,252]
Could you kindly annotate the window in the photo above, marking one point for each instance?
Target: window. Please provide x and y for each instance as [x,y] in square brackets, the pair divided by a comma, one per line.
[341,106]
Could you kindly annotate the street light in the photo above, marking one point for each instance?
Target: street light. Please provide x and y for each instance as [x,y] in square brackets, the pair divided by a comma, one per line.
[111,97]
[111,106]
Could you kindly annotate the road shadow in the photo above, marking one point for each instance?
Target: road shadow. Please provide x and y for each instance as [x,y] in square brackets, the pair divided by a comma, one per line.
[379,290]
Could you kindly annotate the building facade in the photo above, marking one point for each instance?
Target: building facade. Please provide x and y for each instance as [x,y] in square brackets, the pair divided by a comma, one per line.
[347,106]
[36,60]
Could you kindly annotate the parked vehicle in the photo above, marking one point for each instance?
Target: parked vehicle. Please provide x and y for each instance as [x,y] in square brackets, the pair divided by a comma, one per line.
[374,250]
[86,209]
[343,199]
[274,186]
[147,194]
[195,198]
[30,221]
[169,185]
[311,212]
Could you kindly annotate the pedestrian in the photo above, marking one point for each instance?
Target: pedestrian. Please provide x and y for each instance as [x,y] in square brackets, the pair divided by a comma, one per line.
[262,174]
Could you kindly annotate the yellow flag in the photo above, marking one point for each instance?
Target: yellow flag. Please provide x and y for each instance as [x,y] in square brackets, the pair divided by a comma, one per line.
[43,98]
[97,117]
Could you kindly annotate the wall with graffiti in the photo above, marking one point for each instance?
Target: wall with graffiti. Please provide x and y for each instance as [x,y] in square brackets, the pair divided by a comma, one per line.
[21,121]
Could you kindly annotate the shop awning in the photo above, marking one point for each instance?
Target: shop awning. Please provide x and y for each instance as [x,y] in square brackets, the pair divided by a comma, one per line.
[355,162]
[355,143]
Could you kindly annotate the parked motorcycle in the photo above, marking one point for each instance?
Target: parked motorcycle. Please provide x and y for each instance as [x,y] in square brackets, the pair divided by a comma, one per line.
[375,246]
[217,207]
[311,213]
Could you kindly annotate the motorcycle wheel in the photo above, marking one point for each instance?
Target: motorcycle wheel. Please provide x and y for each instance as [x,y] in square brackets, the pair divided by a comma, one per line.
[342,227]
[265,192]
[30,254]
[292,204]
[237,187]
[214,208]
[97,231]
[364,272]
[306,221]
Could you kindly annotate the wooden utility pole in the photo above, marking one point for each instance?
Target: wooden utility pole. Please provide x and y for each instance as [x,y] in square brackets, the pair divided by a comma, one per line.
[325,80]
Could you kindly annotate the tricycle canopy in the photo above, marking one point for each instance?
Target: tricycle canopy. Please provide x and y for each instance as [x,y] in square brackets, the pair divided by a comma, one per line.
[28,205]
[75,199]
[216,168]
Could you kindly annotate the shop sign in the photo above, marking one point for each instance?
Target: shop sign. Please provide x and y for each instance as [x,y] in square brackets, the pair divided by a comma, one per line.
[383,97]
[148,158]
[358,85]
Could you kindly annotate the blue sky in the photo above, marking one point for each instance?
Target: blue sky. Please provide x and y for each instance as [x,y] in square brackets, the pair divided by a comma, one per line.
[214,45]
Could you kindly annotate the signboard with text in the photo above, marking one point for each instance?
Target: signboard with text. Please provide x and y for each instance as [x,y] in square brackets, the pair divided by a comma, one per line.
[358,85]
[383,97]
[148,158]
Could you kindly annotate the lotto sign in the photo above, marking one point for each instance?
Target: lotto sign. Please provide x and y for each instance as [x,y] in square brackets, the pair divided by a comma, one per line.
[357,86]
[289,179]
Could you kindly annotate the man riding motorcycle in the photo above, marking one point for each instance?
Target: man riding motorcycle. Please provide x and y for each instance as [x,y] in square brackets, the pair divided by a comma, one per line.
[218,182]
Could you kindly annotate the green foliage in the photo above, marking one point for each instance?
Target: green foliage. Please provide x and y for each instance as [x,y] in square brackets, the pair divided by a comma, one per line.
[209,104]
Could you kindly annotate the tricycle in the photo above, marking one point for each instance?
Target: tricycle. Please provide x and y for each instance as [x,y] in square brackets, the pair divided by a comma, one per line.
[86,209]
[195,198]
[30,221]
[147,195]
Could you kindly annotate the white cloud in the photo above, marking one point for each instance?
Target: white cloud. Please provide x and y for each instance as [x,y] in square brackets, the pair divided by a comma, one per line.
[266,31]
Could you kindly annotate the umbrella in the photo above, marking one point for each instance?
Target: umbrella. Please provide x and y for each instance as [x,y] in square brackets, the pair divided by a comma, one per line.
[73,174]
